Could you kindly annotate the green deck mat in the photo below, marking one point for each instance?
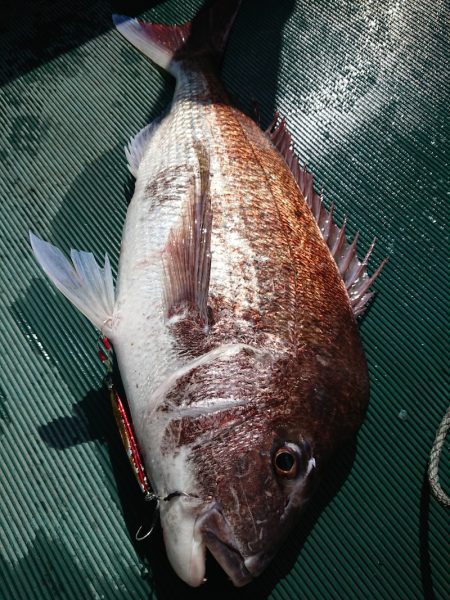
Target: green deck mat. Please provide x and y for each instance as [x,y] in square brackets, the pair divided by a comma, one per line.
[365,89]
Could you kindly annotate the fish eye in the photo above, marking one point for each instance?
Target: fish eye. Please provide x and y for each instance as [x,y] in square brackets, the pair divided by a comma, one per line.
[286,462]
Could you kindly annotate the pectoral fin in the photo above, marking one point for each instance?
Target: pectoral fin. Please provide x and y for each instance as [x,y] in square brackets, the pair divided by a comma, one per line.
[89,287]
[188,251]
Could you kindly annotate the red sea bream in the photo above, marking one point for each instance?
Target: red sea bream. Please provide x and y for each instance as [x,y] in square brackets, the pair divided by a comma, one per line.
[234,314]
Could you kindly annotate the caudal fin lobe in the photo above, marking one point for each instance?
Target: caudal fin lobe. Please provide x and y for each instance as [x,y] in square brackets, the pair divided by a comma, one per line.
[167,45]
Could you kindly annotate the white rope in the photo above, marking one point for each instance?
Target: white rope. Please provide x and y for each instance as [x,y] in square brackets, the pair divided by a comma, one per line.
[435,454]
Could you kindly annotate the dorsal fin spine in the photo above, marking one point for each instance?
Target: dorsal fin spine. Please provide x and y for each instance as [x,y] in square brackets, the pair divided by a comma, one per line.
[329,220]
[349,253]
[336,249]
[352,270]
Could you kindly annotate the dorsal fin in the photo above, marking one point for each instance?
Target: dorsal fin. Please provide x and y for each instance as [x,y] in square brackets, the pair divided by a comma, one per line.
[188,250]
[353,270]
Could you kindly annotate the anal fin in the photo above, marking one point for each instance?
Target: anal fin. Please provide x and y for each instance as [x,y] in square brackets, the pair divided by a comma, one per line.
[136,147]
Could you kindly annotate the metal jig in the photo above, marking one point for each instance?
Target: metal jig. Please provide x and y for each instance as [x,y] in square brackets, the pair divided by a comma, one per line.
[123,420]
[125,426]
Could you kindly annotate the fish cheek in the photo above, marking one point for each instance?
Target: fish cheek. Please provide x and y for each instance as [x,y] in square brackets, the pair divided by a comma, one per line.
[243,466]
[251,497]
[253,502]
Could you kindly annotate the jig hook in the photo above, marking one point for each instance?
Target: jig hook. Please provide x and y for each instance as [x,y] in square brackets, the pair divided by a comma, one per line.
[141,538]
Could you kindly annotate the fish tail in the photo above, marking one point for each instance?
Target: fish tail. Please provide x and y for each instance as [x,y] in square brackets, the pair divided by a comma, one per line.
[167,45]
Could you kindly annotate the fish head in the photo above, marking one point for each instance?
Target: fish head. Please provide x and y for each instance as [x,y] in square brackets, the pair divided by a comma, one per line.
[258,497]
[253,452]
[245,504]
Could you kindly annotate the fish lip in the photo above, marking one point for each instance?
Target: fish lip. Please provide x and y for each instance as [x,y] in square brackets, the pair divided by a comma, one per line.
[229,558]
[220,541]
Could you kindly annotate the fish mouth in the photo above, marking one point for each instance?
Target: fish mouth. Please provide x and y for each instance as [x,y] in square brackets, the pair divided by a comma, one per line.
[229,559]
[220,541]
[190,528]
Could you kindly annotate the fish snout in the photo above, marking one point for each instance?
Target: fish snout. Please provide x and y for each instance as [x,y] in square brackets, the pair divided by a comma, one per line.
[184,545]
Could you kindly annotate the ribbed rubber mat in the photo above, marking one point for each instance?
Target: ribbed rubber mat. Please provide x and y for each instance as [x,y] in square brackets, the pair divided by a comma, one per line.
[364,87]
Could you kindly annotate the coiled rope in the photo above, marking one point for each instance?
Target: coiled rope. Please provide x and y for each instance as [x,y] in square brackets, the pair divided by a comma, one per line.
[435,454]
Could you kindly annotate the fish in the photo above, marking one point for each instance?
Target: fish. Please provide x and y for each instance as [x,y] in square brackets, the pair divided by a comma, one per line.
[234,313]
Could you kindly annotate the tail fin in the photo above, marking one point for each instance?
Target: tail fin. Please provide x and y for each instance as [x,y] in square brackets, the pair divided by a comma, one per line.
[206,34]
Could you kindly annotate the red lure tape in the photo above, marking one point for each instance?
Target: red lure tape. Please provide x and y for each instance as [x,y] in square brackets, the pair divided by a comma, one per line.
[123,420]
